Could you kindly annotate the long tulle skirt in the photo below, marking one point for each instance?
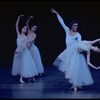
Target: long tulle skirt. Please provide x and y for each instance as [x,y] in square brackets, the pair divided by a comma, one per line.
[75,67]
[23,64]
[37,58]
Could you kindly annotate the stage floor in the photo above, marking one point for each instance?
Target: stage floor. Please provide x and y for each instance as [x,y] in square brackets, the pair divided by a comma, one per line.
[51,85]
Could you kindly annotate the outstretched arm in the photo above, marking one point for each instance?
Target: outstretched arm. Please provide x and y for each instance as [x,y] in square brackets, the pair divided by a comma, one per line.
[17,22]
[27,23]
[94,41]
[60,19]
[88,61]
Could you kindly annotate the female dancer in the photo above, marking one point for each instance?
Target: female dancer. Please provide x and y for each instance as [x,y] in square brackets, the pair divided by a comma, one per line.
[66,59]
[72,36]
[79,75]
[23,64]
[31,37]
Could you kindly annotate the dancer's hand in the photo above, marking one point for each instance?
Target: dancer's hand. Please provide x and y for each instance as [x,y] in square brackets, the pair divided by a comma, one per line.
[53,11]
[16,52]
[98,67]
[21,15]
[99,42]
[31,17]
[79,50]
[98,50]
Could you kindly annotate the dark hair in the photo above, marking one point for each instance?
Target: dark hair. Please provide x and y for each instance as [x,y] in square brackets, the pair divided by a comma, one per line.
[72,22]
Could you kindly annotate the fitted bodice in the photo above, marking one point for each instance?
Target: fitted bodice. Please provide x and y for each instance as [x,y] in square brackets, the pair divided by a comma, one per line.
[20,42]
[31,42]
[71,40]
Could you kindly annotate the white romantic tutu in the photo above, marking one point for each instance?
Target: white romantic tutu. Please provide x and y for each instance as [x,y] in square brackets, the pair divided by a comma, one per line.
[23,63]
[74,65]
[37,58]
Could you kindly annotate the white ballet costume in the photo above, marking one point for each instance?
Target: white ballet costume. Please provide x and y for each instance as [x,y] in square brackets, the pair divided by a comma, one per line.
[35,55]
[69,40]
[77,70]
[71,62]
[22,62]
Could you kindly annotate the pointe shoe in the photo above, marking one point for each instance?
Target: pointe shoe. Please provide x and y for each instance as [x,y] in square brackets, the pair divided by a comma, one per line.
[75,89]
[34,80]
[40,74]
[22,81]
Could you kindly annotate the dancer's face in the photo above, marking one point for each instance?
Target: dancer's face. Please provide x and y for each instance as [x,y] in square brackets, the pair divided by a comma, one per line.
[24,29]
[34,28]
[74,27]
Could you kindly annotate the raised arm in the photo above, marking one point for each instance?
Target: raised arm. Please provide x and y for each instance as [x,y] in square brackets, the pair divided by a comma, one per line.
[60,19]
[17,22]
[88,61]
[27,23]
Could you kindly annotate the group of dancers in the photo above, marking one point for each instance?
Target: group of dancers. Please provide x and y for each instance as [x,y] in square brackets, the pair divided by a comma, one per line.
[72,61]
[27,60]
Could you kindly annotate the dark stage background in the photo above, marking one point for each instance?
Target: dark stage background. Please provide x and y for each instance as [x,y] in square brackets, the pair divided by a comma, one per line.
[50,34]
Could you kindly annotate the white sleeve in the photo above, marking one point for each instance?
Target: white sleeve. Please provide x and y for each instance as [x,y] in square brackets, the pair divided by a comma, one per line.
[62,23]
[79,37]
